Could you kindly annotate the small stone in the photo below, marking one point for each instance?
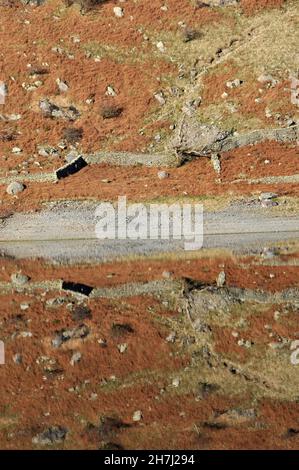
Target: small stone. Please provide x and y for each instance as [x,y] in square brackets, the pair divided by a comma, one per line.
[137,415]
[167,274]
[25,334]
[267,78]
[17,358]
[162,175]
[16,150]
[118,11]
[160,46]
[160,98]
[71,156]
[122,347]
[171,337]
[221,279]
[191,106]
[13,117]
[234,83]
[215,160]
[62,85]
[110,91]
[55,302]
[3,92]
[276,315]
[19,279]
[269,252]
[176,382]
[276,345]
[267,196]
[52,435]
[90,99]
[15,188]
[24,306]
[76,357]
[268,113]
[47,151]
[268,203]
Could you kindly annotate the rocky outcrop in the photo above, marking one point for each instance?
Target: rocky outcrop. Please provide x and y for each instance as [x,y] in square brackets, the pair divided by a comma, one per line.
[196,139]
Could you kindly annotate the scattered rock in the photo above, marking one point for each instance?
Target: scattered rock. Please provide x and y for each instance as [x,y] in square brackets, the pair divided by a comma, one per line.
[19,279]
[10,117]
[118,11]
[49,109]
[76,357]
[122,347]
[167,274]
[267,78]
[176,382]
[215,160]
[17,358]
[137,415]
[171,337]
[16,150]
[55,302]
[191,106]
[162,175]
[62,85]
[160,98]
[80,332]
[15,188]
[160,46]
[220,281]
[268,203]
[3,92]
[267,196]
[52,435]
[71,156]
[110,91]
[24,306]
[25,334]
[47,151]
[234,83]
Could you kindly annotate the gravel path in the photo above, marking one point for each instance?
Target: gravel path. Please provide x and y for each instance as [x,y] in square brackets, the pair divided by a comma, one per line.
[67,233]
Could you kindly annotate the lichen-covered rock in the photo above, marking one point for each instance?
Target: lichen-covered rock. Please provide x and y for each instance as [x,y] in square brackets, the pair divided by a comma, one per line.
[52,435]
[15,188]
[193,137]
[49,109]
